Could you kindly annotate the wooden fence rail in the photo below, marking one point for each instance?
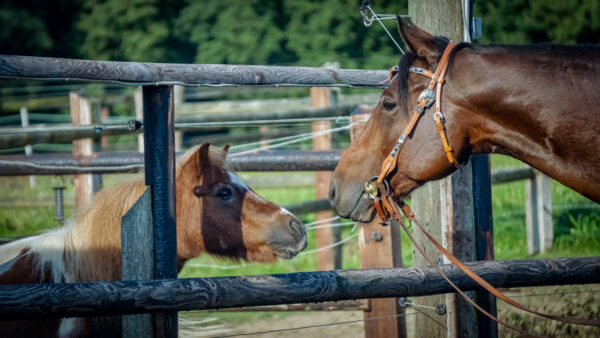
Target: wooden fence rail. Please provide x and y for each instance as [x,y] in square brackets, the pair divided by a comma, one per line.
[19,137]
[122,162]
[151,296]
[141,73]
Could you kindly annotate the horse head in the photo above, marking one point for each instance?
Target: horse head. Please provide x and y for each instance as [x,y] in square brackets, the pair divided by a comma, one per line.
[219,214]
[422,157]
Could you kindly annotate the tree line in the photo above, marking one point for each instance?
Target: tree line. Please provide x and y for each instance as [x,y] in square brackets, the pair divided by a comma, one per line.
[298,32]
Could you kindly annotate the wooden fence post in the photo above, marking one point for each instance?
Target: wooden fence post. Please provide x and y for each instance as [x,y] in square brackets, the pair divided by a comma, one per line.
[104,115]
[81,114]
[179,99]
[538,213]
[159,160]
[28,149]
[379,247]
[445,207]
[137,259]
[484,238]
[138,102]
[327,259]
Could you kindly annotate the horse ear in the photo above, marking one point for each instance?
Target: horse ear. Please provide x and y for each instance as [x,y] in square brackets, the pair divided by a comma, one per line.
[418,41]
[203,159]
[226,148]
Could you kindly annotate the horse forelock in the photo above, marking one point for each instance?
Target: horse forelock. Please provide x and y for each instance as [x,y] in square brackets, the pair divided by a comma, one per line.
[409,57]
[217,157]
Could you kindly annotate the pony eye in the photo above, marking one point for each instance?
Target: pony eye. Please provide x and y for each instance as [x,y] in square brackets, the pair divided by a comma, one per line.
[224,194]
[388,105]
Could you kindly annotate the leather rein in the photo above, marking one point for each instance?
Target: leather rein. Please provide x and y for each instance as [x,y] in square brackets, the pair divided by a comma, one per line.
[387,209]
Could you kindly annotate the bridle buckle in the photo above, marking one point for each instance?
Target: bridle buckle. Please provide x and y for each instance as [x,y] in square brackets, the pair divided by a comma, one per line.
[428,94]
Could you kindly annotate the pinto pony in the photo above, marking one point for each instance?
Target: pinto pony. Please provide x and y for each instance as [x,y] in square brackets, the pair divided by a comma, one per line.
[539,104]
[216,213]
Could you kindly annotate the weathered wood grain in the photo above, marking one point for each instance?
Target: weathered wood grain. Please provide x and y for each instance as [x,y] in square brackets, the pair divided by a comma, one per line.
[128,297]
[81,114]
[159,166]
[137,252]
[107,162]
[138,73]
[538,213]
[329,258]
[454,223]
[379,247]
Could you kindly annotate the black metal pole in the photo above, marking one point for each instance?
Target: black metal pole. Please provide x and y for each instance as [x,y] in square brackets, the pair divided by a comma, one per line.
[484,237]
[159,148]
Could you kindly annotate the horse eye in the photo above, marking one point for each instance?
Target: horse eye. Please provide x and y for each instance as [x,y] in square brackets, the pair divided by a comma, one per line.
[224,194]
[388,105]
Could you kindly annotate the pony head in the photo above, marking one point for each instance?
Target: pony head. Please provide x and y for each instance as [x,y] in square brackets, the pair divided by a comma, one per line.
[219,214]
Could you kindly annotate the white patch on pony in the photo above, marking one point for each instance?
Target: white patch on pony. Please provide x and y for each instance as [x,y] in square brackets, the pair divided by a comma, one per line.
[285,211]
[6,266]
[236,180]
[49,247]
[11,250]
[67,327]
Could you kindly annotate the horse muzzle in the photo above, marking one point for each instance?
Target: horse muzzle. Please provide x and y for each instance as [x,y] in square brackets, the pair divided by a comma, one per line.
[352,203]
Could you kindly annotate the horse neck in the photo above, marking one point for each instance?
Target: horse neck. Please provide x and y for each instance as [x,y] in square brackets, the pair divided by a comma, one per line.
[93,249]
[536,106]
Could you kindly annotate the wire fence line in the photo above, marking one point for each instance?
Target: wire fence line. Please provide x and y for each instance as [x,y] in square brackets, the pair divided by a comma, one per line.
[319,325]
[243,265]
[291,140]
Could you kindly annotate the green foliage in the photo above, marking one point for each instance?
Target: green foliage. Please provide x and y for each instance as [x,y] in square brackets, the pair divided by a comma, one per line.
[124,30]
[537,21]
[33,36]
[583,234]
[283,32]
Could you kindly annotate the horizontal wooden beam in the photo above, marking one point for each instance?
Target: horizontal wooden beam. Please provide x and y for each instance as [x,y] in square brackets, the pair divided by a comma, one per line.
[13,137]
[507,175]
[309,206]
[142,73]
[130,297]
[124,162]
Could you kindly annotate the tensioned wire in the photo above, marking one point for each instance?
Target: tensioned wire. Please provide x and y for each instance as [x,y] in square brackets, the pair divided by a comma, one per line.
[288,140]
[229,267]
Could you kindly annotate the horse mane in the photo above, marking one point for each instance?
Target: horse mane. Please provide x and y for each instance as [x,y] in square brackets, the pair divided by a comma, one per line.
[88,246]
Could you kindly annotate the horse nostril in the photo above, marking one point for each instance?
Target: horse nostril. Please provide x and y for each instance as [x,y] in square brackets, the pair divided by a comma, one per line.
[297,226]
[332,191]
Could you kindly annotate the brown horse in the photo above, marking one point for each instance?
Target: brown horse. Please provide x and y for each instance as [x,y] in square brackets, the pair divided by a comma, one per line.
[539,104]
[216,213]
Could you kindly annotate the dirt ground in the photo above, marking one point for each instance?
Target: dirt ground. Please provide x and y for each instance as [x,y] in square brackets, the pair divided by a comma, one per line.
[572,300]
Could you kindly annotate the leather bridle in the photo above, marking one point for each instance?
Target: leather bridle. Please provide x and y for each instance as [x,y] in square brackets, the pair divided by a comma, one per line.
[387,209]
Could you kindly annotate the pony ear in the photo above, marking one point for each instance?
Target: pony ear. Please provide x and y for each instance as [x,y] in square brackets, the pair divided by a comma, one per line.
[418,41]
[202,155]
[226,148]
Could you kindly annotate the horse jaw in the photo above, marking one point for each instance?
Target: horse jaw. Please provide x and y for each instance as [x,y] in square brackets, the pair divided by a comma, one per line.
[270,232]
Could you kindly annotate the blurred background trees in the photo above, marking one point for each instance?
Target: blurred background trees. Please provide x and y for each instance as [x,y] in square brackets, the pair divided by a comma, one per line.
[299,32]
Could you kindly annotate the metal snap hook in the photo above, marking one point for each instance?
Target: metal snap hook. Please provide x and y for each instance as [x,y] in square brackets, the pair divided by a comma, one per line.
[372,190]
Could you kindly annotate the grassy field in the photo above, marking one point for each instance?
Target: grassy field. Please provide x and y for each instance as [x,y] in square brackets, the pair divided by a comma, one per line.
[28,210]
